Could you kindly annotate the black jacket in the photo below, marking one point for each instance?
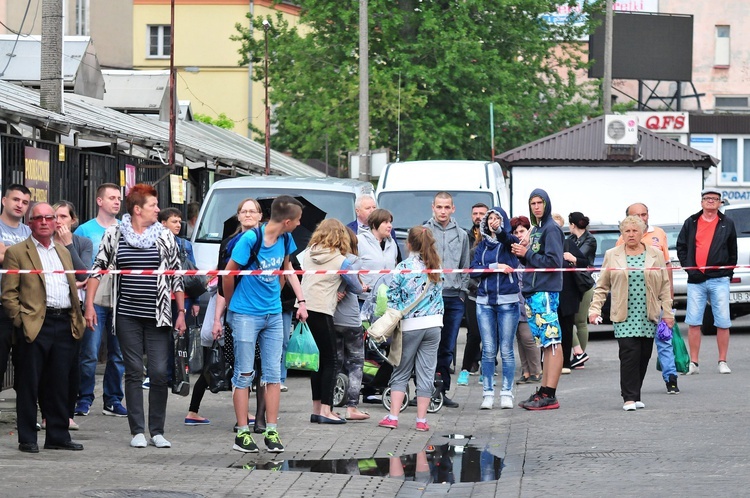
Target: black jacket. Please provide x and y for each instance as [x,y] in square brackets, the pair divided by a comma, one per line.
[723,250]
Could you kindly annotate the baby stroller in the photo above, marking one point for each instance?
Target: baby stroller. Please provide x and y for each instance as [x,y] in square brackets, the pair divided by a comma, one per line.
[377,367]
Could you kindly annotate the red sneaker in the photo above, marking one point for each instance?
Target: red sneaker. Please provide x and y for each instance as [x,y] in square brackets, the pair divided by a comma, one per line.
[423,427]
[388,423]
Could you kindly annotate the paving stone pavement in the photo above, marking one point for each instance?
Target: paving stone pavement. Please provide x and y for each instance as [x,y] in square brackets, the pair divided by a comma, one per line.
[695,443]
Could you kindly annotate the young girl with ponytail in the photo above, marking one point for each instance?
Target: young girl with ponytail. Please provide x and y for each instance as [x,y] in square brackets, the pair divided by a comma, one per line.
[420,327]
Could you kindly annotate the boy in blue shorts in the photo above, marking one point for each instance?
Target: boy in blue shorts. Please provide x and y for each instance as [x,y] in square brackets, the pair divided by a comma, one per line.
[254,313]
[542,293]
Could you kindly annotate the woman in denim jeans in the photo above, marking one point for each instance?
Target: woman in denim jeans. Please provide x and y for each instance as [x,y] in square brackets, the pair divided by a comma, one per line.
[497,304]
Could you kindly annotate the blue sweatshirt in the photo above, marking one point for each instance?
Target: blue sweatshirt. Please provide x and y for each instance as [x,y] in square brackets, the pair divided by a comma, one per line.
[494,248]
[545,250]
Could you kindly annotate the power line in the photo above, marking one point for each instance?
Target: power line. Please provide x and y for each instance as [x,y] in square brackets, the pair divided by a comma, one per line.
[15,43]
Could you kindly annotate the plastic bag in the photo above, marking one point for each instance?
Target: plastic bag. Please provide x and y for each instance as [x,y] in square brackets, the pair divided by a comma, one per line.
[302,352]
[681,355]
[181,384]
[195,350]
[217,371]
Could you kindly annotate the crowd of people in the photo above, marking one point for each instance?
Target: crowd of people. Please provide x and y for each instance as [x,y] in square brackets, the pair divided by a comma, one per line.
[532,292]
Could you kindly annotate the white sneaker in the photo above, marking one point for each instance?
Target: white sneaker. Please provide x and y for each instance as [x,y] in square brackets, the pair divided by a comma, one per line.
[506,400]
[160,442]
[629,406]
[138,441]
[693,369]
[640,404]
[724,368]
[487,402]
[283,388]
[565,371]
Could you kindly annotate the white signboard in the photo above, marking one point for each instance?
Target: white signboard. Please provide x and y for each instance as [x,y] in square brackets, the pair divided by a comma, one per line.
[563,12]
[663,122]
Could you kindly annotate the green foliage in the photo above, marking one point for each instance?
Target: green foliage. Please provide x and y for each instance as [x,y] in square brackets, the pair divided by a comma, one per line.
[222,121]
[435,67]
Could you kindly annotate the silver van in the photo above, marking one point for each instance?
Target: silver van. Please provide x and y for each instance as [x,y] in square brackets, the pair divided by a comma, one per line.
[335,196]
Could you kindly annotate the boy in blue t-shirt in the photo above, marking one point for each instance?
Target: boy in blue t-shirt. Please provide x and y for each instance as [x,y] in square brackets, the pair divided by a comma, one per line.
[254,313]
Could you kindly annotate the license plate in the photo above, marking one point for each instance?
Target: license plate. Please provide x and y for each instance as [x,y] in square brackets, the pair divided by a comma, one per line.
[739,297]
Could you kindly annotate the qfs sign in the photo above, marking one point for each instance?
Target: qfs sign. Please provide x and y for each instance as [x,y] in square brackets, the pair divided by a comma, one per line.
[663,122]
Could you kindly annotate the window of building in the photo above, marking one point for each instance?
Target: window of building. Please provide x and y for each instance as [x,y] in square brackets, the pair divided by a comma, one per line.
[159,39]
[82,17]
[734,168]
[721,54]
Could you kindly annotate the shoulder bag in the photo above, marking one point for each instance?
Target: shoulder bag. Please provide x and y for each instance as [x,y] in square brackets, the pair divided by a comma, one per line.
[383,328]
[105,291]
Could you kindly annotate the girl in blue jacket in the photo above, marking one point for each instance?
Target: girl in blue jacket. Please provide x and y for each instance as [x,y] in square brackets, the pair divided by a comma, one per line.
[497,304]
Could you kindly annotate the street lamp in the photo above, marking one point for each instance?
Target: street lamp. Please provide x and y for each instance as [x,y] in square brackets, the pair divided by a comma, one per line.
[266,26]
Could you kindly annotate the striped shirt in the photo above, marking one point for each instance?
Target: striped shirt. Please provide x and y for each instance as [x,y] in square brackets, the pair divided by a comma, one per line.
[56,284]
[137,294]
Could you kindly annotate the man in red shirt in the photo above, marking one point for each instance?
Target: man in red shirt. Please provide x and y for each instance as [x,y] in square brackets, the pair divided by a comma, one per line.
[707,239]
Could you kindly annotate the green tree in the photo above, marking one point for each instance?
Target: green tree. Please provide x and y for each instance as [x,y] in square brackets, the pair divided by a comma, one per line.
[435,67]
[222,121]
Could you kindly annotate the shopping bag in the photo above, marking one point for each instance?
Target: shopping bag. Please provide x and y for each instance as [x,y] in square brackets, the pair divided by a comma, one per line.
[195,349]
[217,371]
[302,352]
[181,384]
[681,355]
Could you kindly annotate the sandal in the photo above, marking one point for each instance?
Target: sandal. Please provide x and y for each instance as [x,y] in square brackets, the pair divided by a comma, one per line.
[358,416]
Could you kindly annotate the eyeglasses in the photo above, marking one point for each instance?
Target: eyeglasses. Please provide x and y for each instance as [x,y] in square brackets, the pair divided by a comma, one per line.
[712,199]
[248,211]
[48,217]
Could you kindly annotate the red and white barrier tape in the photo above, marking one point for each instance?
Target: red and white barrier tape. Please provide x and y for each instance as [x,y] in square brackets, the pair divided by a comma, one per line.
[350,272]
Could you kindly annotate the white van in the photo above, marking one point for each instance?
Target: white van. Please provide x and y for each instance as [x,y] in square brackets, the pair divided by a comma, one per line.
[335,196]
[407,189]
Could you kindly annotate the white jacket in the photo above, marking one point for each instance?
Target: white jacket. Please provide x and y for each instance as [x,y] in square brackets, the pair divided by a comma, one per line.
[372,257]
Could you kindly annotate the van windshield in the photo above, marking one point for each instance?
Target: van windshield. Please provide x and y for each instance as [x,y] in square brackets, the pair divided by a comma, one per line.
[412,208]
[223,204]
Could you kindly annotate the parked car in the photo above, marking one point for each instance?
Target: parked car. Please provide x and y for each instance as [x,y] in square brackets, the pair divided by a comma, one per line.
[679,276]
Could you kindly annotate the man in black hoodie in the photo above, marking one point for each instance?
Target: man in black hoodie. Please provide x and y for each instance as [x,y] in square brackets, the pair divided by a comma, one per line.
[542,293]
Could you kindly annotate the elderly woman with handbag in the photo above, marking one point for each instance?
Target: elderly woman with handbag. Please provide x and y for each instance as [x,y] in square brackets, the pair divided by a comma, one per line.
[637,277]
[142,306]
[422,294]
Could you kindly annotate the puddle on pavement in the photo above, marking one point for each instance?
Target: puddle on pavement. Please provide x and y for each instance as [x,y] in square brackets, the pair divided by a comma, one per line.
[447,463]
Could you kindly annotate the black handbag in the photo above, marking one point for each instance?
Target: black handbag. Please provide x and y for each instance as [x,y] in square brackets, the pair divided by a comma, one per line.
[195,285]
[195,351]
[217,371]
[228,345]
[584,281]
[181,384]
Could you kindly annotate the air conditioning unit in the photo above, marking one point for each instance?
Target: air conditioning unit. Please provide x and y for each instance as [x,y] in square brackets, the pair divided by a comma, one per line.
[620,130]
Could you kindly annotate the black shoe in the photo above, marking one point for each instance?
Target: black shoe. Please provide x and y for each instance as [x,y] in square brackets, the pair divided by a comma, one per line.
[259,428]
[68,445]
[326,420]
[413,401]
[579,359]
[449,402]
[28,447]
[672,385]
[314,419]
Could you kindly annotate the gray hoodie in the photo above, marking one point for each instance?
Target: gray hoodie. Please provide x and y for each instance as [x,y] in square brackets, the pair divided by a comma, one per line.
[452,244]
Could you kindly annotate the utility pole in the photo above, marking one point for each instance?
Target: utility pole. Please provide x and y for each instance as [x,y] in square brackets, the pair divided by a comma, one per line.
[172,93]
[607,81]
[266,26]
[51,83]
[364,94]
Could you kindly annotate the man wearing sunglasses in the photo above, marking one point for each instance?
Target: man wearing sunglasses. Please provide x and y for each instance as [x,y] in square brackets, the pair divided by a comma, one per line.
[48,321]
[708,239]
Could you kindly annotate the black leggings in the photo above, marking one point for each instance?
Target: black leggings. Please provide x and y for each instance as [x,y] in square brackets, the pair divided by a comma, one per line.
[322,382]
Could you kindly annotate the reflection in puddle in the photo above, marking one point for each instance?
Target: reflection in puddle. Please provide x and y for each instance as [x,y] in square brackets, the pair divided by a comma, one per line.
[441,464]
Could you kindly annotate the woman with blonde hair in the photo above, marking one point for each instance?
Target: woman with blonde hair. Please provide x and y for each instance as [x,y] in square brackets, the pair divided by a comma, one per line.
[637,277]
[421,326]
[327,250]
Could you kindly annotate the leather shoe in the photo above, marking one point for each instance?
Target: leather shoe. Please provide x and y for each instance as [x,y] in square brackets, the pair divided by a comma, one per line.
[314,419]
[68,445]
[449,402]
[28,447]
[326,420]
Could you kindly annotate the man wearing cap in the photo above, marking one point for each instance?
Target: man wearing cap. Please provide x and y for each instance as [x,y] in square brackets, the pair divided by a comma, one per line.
[708,238]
